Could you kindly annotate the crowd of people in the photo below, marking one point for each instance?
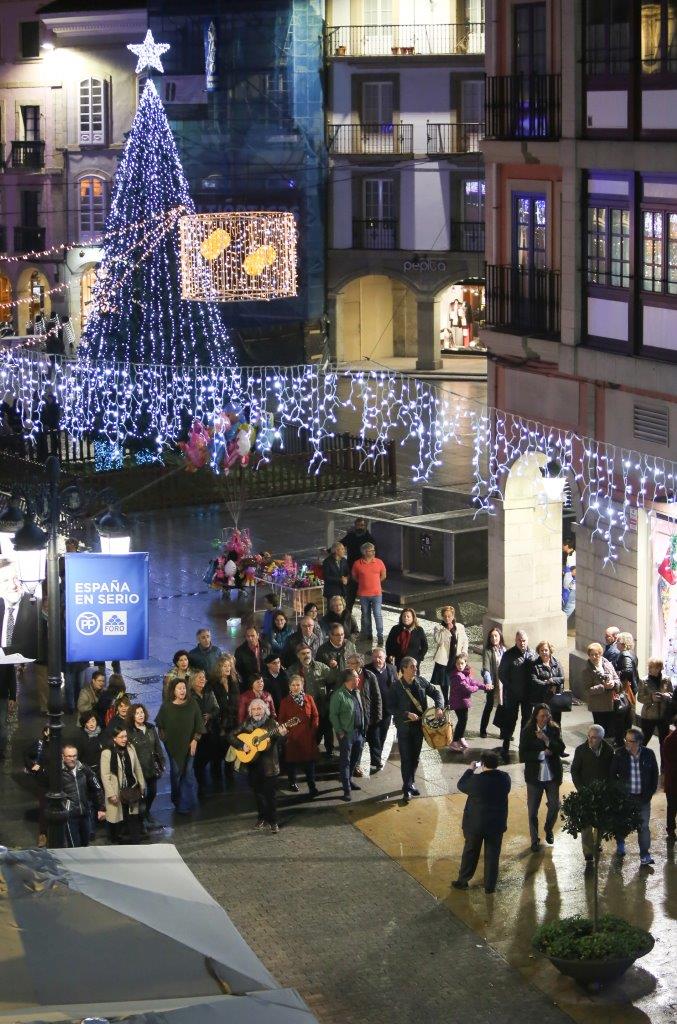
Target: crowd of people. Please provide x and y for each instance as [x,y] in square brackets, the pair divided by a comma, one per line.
[292,689]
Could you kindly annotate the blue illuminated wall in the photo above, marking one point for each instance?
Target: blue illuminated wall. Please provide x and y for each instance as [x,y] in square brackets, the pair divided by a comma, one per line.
[256,141]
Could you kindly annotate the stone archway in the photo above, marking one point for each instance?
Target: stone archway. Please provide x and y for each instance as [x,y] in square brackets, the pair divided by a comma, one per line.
[376,318]
[525,558]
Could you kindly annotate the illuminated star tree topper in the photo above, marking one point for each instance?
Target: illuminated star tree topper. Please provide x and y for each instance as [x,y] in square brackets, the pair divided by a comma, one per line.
[149,53]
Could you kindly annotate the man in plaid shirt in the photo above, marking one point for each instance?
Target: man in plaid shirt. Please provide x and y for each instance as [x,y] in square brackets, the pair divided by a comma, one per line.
[636,768]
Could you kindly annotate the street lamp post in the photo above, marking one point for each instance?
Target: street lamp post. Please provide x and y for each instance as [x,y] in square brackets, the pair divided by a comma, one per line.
[29,546]
[114,533]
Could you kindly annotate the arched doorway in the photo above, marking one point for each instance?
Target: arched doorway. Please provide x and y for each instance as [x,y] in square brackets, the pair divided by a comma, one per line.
[376,318]
[461,313]
[87,282]
[6,309]
[33,290]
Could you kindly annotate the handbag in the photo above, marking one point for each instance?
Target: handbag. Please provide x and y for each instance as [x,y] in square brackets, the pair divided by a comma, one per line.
[437,732]
[621,703]
[562,701]
[131,795]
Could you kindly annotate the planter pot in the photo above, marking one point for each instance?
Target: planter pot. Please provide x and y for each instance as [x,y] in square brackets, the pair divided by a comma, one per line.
[394,50]
[595,973]
[340,51]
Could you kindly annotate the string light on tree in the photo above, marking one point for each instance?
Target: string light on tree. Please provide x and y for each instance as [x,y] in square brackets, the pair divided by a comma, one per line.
[149,53]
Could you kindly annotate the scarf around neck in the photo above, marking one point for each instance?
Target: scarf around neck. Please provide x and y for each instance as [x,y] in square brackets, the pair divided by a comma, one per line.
[298,698]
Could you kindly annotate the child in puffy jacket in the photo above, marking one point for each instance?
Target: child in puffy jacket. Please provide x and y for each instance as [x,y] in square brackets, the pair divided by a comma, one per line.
[461,688]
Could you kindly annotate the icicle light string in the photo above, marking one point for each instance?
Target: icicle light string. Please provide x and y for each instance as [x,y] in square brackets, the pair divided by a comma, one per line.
[120,401]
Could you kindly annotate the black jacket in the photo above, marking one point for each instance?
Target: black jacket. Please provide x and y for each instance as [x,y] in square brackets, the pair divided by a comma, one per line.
[228,701]
[531,747]
[345,619]
[386,679]
[545,680]
[277,687]
[89,750]
[149,750]
[588,767]
[612,654]
[245,661]
[486,809]
[515,674]
[353,542]
[372,701]
[81,787]
[627,663]
[400,704]
[267,763]
[332,572]
[289,655]
[648,770]
[417,648]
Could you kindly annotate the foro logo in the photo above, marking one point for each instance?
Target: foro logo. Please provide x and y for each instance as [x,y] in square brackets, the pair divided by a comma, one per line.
[87,623]
[114,624]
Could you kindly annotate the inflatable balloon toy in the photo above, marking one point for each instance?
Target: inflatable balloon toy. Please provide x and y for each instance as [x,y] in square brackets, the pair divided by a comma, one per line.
[198,447]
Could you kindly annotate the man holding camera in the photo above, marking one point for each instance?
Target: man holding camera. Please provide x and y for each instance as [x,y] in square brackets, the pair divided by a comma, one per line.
[485,819]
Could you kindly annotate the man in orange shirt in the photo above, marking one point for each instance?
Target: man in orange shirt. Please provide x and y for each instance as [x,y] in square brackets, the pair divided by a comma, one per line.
[369,573]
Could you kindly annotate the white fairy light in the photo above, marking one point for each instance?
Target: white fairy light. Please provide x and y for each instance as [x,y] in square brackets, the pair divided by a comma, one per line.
[149,53]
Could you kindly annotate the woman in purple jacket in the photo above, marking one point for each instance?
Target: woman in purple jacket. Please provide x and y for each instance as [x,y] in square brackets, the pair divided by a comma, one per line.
[461,688]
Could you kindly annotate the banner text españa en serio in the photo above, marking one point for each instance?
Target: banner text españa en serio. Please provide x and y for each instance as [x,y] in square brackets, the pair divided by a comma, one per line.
[113,592]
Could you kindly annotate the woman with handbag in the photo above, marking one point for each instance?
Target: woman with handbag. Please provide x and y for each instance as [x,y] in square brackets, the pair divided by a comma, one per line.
[547,682]
[494,649]
[123,787]
[628,673]
[180,723]
[655,695]
[602,688]
[143,736]
[450,639]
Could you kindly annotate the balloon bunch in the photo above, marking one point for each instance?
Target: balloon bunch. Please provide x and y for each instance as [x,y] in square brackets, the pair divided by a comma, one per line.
[229,443]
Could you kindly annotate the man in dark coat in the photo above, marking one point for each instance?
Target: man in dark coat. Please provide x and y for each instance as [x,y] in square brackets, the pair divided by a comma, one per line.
[356,536]
[275,679]
[335,572]
[636,768]
[250,656]
[371,698]
[407,702]
[485,819]
[81,788]
[591,763]
[514,673]
[304,633]
[386,676]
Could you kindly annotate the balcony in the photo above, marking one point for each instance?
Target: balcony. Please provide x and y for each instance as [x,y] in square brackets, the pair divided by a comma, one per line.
[523,107]
[371,139]
[466,236]
[404,40]
[374,234]
[27,156]
[454,138]
[29,239]
[523,300]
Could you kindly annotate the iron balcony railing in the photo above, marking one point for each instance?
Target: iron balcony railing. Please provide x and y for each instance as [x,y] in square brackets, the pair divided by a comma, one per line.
[523,300]
[523,107]
[466,236]
[404,40]
[29,239]
[28,155]
[463,137]
[394,139]
[374,234]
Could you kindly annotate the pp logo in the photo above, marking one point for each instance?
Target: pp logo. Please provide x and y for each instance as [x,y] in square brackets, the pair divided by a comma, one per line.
[87,623]
[114,624]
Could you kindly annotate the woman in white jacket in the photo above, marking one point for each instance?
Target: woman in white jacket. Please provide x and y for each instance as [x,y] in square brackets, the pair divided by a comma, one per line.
[121,770]
[450,640]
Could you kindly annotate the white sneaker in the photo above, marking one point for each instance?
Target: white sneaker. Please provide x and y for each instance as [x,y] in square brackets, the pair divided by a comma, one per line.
[464,744]
[455,745]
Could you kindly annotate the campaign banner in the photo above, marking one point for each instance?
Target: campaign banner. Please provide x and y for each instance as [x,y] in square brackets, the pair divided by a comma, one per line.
[210,44]
[106,607]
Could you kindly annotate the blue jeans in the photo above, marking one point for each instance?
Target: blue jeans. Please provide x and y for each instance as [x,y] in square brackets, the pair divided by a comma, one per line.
[643,833]
[350,752]
[367,606]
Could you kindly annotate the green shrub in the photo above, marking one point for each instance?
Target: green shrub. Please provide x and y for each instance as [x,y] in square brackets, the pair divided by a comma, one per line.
[573,938]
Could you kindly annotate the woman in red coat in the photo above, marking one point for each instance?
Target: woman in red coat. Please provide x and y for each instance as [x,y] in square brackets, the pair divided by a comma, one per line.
[301,747]
[670,780]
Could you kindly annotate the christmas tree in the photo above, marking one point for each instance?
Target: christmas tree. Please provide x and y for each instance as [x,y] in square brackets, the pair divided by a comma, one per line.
[138,314]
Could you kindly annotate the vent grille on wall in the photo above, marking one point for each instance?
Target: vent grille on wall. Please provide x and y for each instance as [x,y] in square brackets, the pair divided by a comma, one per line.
[651,423]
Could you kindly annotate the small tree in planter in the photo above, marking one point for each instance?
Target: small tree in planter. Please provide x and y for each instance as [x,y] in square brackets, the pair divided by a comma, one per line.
[597,950]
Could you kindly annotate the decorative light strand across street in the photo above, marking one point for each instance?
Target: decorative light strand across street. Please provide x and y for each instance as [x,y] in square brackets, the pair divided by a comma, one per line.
[112,399]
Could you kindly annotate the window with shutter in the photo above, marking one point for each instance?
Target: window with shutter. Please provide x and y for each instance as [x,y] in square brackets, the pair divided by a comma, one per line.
[92,112]
[93,194]
[377,103]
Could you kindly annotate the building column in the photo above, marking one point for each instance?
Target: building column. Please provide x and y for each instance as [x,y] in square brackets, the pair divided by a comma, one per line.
[332,303]
[427,319]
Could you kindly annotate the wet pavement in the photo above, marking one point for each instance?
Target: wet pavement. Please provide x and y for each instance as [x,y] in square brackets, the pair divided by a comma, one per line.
[352,905]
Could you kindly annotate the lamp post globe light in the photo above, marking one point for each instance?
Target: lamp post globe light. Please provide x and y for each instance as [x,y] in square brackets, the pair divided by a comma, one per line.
[114,533]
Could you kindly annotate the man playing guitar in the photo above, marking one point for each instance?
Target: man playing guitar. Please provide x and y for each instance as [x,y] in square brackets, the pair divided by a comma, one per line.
[265,767]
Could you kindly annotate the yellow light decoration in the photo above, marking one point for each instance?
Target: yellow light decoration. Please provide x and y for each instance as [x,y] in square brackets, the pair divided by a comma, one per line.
[232,257]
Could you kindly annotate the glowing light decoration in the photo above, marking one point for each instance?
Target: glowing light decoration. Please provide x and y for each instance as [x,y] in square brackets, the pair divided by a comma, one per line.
[122,402]
[137,312]
[149,53]
[232,257]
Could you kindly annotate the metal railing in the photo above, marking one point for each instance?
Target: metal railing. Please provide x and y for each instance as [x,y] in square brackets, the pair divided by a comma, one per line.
[374,234]
[466,236]
[29,239]
[394,139]
[28,155]
[523,300]
[404,40]
[523,107]
[462,137]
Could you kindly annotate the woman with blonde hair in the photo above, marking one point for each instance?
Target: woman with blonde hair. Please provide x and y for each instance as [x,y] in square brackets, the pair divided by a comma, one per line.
[601,687]
[339,613]
[655,694]
[451,640]
[226,688]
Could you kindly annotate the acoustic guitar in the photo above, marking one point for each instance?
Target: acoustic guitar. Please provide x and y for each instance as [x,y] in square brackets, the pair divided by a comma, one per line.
[258,740]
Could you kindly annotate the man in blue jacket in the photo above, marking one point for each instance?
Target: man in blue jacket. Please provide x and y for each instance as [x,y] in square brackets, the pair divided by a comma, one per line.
[485,819]
[635,767]
[407,701]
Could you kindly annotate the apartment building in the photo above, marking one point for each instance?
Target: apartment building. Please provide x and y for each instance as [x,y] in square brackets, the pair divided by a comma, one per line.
[68,93]
[405,262]
[580,158]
